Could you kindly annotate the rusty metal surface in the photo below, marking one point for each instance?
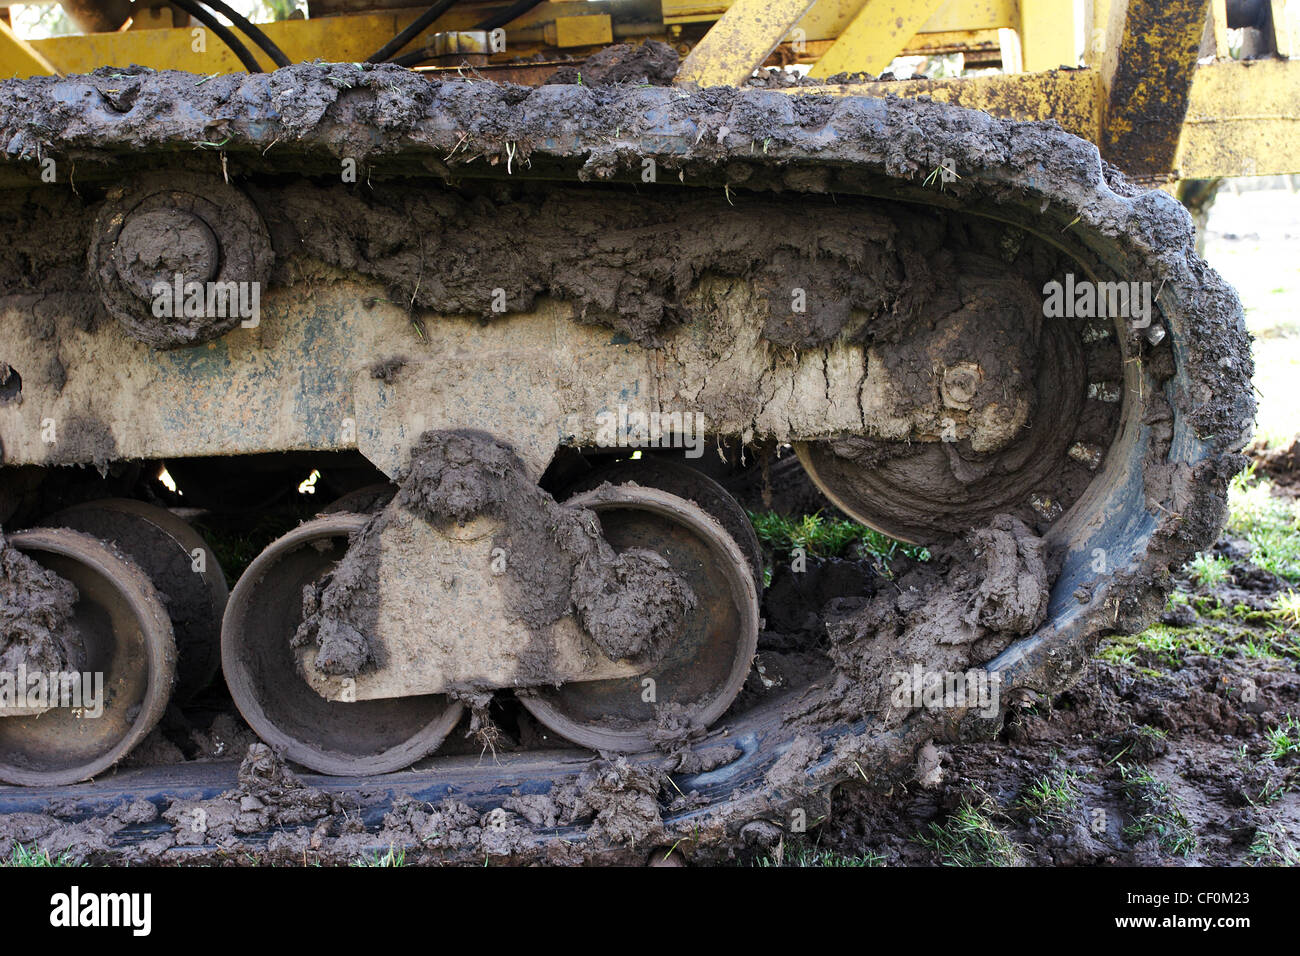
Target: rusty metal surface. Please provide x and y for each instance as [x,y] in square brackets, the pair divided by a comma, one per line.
[1150,83]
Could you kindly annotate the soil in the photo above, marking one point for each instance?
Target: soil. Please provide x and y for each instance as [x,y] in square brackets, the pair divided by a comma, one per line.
[1280,464]
[946,615]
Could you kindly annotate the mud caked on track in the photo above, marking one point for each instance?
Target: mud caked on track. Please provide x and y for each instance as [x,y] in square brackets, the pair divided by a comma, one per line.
[508,264]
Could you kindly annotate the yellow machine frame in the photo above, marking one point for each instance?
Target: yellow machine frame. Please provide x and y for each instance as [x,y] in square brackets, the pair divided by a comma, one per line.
[1144,94]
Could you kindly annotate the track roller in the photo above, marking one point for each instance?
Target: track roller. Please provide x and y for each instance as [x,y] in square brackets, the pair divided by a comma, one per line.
[334,737]
[125,635]
[705,667]
[181,566]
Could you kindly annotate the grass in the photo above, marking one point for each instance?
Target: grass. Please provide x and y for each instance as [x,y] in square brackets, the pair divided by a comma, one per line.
[805,854]
[1269,523]
[393,857]
[32,856]
[970,836]
[1284,739]
[1287,607]
[1053,799]
[1273,846]
[824,537]
[236,543]
[1161,647]
[1209,571]
[1156,812]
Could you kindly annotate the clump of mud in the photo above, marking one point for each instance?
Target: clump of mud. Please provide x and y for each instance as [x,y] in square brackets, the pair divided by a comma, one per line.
[652,63]
[621,799]
[267,796]
[955,612]
[631,603]
[37,631]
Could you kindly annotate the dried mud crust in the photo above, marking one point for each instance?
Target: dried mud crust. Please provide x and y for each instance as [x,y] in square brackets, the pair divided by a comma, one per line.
[1195,404]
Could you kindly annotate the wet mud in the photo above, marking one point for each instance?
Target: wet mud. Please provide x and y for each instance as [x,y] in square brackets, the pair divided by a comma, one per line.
[37,630]
[942,617]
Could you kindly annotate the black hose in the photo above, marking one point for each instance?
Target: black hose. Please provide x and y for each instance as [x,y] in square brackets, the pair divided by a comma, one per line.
[411,32]
[205,17]
[251,31]
[516,9]
[414,58]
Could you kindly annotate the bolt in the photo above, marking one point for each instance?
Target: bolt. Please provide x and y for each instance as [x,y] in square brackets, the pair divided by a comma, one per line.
[960,383]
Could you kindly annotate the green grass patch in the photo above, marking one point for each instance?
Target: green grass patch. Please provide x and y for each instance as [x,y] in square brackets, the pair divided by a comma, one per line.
[1156,812]
[1273,846]
[1053,799]
[1287,607]
[1271,524]
[824,537]
[394,856]
[970,836]
[1164,647]
[1208,571]
[1284,739]
[32,856]
[805,854]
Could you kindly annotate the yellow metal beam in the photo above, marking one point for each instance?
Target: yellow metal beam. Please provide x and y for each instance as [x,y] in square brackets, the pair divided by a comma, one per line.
[738,44]
[875,36]
[1148,76]
[582,31]
[1047,34]
[973,15]
[18,58]
[341,39]
[1242,120]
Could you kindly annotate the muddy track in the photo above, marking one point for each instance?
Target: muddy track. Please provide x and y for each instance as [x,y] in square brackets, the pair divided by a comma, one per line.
[1160,499]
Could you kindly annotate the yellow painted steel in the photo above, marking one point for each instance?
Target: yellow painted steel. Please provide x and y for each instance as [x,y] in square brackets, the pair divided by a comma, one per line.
[738,44]
[1047,34]
[341,39]
[877,34]
[584,31]
[18,58]
[973,15]
[1242,120]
